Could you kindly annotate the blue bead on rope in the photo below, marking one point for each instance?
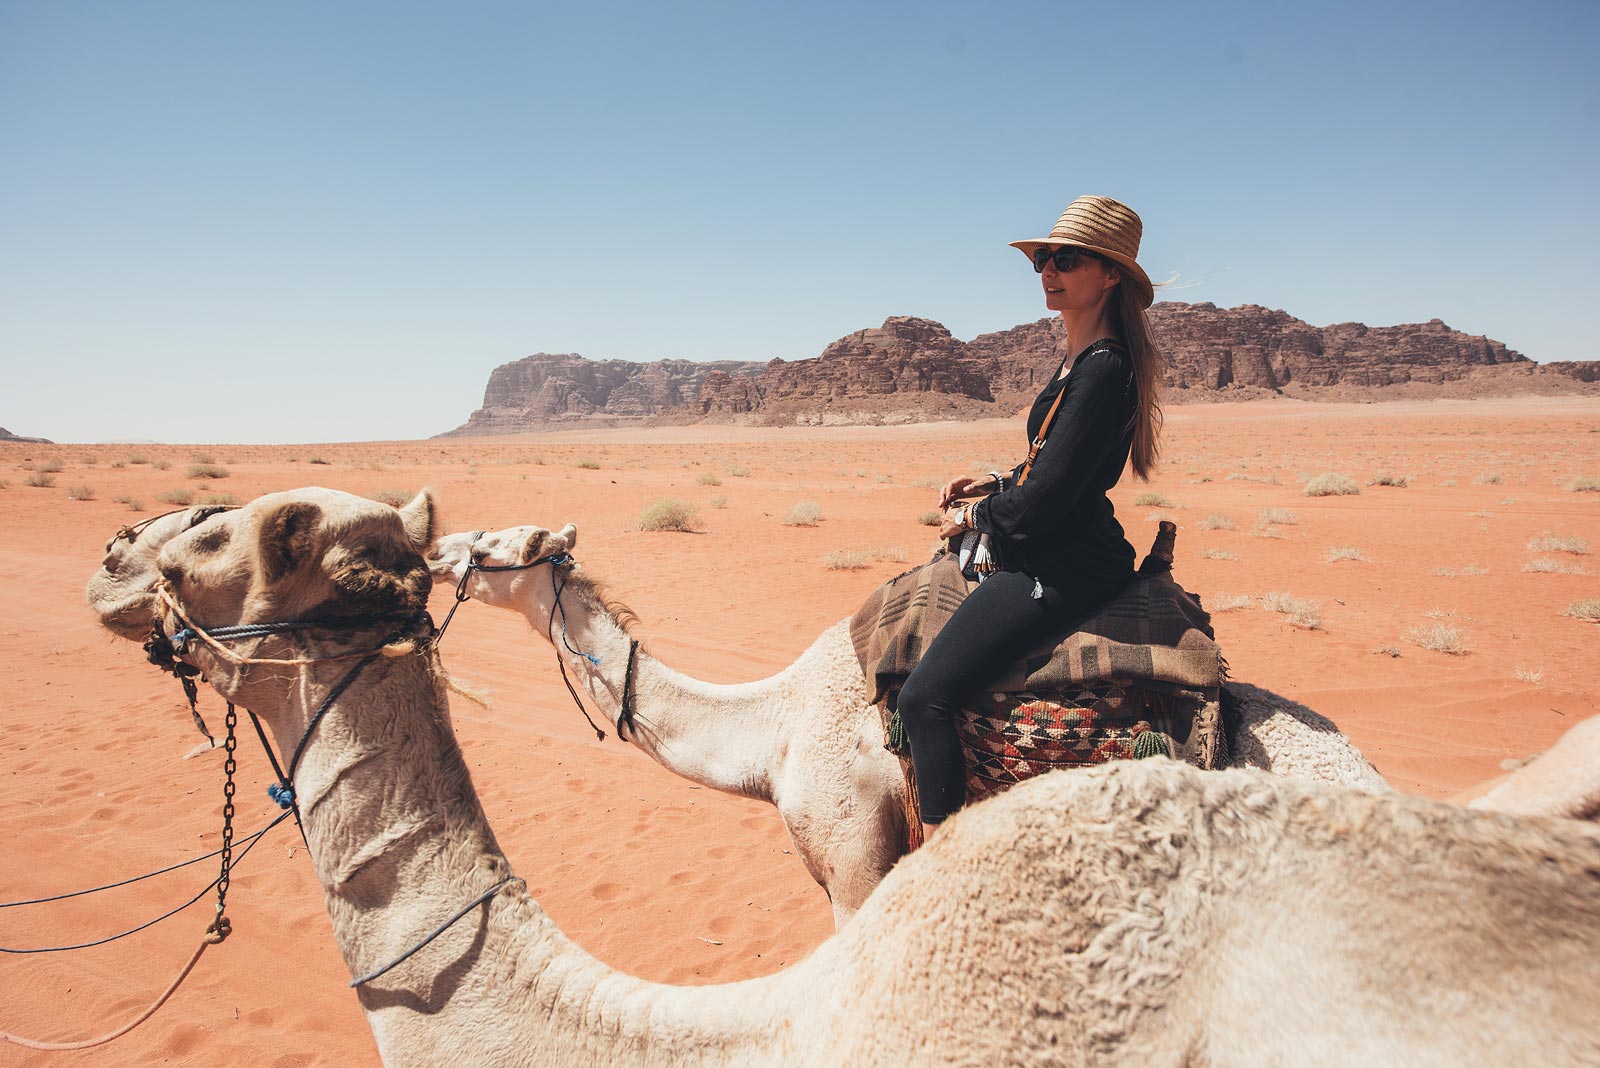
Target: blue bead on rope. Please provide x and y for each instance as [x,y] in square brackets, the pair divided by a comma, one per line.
[283,795]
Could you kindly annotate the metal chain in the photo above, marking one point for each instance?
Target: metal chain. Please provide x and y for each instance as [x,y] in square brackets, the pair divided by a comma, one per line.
[220,926]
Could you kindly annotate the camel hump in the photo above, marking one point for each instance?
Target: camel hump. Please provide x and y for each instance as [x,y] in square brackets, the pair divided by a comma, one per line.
[1159,559]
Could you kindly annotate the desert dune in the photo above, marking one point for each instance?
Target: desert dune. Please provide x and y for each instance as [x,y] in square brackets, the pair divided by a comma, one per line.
[1443,616]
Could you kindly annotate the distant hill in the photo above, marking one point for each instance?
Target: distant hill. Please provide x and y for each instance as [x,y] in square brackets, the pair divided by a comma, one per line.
[6,435]
[913,370]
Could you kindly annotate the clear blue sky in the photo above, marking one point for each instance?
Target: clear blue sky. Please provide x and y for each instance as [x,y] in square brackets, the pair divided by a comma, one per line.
[319,222]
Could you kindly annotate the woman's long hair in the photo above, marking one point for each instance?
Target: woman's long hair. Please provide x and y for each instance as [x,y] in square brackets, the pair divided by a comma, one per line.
[1149,373]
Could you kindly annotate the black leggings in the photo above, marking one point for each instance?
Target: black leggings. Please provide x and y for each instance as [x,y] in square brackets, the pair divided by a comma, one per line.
[997,623]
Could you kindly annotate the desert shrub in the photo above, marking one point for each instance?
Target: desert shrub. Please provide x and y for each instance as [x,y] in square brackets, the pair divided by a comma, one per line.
[930,518]
[1549,565]
[318,460]
[1331,485]
[204,470]
[856,559]
[588,465]
[738,471]
[1488,478]
[1343,552]
[162,465]
[1387,650]
[708,478]
[80,493]
[668,513]
[1216,522]
[1386,479]
[392,497]
[138,458]
[719,501]
[1281,516]
[1583,484]
[1230,602]
[804,514]
[1585,609]
[40,480]
[1300,611]
[181,497]
[1218,554]
[203,458]
[1152,500]
[118,465]
[134,504]
[1532,676]
[219,500]
[1440,638]
[1559,543]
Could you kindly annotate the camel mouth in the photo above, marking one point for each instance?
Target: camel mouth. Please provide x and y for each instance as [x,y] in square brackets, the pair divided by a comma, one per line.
[126,615]
[448,557]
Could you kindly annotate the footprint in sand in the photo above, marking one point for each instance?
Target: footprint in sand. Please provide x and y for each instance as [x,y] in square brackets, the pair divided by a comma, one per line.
[607,891]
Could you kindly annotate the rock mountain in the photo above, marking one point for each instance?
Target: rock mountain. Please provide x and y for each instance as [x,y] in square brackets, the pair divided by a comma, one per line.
[914,370]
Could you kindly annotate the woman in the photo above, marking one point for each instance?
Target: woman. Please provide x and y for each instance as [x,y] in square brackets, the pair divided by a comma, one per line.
[1057,547]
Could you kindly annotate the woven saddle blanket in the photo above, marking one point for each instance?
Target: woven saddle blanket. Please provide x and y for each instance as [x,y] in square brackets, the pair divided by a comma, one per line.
[1154,634]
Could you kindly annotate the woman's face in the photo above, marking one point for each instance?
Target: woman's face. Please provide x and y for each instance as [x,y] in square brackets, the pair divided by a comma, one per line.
[1080,287]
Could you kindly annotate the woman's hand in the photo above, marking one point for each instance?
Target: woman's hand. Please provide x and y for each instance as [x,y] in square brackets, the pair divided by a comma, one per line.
[964,486]
[953,522]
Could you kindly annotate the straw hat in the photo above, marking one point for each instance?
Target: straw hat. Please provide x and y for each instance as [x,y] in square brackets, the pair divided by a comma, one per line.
[1101,225]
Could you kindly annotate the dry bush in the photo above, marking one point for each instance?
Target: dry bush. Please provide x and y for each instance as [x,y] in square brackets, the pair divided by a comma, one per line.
[707,478]
[1583,484]
[1548,565]
[181,497]
[203,458]
[1440,638]
[1532,676]
[738,471]
[318,460]
[1300,611]
[206,470]
[1226,602]
[1383,478]
[588,465]
[804,514]
[1387,650]
[80,493]
[1470,569]
[134,504]
[668,513]
[1215,522]
[1281,516]
[138,458]
[219,500]
[1152,500]
[1558,543]
[1343,552]
[45,467]
[856,559]
[1331,485]
[1487,478]
[930,519]
[40,480]
[1585,609]
[162,465]
[1218,554]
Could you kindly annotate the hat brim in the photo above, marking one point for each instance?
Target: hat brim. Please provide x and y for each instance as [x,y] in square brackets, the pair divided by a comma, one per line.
[1132,272]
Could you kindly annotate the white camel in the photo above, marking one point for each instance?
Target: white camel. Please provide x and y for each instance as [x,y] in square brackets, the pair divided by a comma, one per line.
[1564,780]
[1139,913]
[807,739]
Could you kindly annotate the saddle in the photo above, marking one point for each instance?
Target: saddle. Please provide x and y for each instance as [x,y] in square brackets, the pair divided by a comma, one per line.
[1140,677]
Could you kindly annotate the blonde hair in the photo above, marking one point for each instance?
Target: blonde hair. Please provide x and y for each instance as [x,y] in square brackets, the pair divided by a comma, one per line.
[1149,372]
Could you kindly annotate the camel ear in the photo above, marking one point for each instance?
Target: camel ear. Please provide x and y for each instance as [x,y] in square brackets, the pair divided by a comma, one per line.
[533,546]
[569,537]
[288,536]
[420,516]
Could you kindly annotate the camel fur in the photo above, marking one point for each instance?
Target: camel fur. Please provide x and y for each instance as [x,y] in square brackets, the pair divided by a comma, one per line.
[1134,914]
[807,739]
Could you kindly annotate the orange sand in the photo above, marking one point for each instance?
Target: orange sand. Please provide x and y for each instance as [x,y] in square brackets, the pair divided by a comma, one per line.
[668,880]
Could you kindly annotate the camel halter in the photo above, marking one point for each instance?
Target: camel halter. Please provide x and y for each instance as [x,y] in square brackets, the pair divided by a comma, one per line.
[559,563]
[396,644]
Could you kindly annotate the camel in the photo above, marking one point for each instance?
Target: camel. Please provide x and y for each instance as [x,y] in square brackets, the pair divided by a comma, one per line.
[807,739]
[1564,780]
[1136,913]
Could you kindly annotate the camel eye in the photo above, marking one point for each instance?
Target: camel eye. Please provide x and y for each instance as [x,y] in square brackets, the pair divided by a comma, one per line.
[212,540]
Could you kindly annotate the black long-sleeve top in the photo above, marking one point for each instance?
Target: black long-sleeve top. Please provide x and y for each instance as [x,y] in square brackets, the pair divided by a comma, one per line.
[1059,526]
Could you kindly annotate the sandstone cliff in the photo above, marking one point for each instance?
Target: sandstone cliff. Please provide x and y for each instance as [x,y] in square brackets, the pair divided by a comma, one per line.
[6,435]
[914,370]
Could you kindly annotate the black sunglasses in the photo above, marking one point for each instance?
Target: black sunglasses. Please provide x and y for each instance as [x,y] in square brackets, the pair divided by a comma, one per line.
[1065,258]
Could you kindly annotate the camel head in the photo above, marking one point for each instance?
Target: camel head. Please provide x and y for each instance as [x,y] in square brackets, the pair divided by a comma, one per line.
[515,546]
[303,554]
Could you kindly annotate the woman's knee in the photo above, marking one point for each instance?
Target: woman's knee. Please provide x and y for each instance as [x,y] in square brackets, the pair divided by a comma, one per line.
[920,703]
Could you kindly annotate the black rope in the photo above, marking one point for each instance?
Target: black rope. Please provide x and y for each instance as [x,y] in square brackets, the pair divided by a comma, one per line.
[252,839]
[437,931]
[625,714]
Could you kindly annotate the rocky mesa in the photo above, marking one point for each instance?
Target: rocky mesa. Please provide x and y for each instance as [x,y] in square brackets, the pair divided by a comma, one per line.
[913,370]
